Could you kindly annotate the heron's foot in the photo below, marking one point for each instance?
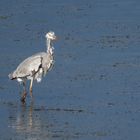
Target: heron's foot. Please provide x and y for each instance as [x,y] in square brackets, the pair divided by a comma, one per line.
[23,97]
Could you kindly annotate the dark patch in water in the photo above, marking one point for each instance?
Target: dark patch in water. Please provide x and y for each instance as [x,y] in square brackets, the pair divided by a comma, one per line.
[59,109]
[110,104]
[4,17]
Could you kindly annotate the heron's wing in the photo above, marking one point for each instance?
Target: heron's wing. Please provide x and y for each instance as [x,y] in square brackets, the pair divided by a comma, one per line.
[29,66]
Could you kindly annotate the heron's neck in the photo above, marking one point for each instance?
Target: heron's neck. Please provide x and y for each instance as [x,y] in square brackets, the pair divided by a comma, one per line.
[49,46]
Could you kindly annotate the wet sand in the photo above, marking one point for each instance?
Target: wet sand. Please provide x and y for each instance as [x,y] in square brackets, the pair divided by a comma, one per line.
[93,92]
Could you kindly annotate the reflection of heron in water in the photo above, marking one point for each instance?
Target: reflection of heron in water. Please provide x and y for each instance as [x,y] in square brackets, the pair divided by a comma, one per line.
[35,66]
[27,123]
[25,119]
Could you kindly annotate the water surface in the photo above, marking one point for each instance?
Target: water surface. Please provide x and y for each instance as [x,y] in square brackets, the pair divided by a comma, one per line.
[93,90]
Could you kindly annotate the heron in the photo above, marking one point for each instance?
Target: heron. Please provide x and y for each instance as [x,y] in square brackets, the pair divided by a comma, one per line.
[36,66]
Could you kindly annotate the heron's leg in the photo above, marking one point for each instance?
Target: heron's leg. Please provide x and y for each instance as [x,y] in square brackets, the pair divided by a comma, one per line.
[23,97]
[24,86]
[31,85]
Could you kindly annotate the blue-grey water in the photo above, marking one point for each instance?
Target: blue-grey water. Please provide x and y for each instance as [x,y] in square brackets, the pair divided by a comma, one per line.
[93,92]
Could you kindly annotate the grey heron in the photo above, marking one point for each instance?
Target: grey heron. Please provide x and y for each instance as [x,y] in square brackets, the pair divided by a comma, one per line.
[35,66]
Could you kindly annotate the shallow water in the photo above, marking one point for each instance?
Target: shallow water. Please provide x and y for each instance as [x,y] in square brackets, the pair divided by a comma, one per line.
[93,90]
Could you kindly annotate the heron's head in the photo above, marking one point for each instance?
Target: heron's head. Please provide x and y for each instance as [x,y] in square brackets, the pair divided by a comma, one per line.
[51,35]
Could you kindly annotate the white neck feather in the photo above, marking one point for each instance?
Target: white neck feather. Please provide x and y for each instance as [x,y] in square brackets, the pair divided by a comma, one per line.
[49,46]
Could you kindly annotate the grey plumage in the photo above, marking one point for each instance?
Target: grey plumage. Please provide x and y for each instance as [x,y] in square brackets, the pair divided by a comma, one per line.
[32,66]
[35,66]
